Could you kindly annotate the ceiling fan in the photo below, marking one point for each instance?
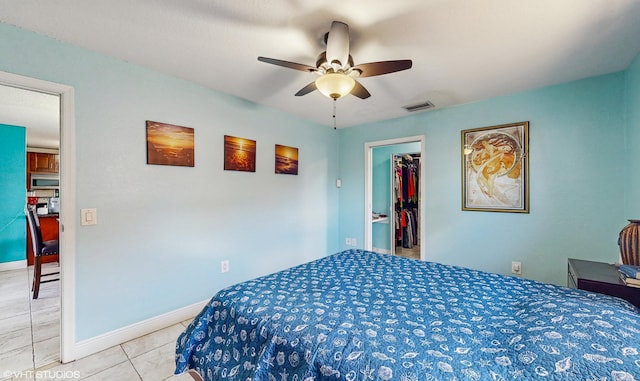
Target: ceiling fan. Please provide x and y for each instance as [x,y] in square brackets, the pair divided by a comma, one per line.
[337,73]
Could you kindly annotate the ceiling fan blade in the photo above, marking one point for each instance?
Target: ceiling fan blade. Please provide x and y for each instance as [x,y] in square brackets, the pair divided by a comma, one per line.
[287,64]
[338,43]
[384,67]
[359,91]
[307,89]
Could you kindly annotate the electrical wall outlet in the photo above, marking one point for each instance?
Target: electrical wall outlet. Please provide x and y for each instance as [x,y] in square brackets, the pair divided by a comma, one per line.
[516,268]
[224,266]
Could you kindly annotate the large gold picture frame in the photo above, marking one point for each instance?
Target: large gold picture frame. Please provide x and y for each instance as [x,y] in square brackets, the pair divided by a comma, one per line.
[495,168]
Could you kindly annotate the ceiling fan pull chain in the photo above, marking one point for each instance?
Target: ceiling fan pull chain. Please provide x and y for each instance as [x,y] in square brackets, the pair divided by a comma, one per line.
[334,113]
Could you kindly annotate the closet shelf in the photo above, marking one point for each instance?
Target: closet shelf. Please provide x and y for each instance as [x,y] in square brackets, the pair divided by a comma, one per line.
[382,220]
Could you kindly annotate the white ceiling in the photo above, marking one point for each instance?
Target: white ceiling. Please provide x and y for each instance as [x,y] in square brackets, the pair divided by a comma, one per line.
[38,112]
[462,50]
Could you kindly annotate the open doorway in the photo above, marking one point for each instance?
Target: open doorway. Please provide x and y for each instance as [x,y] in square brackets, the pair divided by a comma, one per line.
[65,326]
[32,307]
[32,311]
[404,203]
[383,219]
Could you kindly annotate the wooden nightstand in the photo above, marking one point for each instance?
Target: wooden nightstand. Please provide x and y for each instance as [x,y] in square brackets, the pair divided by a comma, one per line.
[600,277]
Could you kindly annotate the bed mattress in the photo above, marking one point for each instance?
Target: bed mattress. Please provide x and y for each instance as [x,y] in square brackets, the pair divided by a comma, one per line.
[359,315]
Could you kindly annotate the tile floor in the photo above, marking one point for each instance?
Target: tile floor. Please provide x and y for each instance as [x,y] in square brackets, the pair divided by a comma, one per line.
[29,329]
[414,252]
[29,341]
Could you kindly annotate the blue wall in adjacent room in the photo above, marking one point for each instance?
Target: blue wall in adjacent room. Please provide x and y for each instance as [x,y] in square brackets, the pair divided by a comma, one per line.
[576,187]
[13,191]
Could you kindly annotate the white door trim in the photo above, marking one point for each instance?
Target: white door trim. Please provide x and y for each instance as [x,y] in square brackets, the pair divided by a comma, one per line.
[368,187]
[67,202]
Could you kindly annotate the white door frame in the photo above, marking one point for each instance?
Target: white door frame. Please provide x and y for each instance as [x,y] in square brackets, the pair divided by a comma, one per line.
[67,202]
[368,187]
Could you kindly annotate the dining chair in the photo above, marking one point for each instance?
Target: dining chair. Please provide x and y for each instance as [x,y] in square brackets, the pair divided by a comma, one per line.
[40,249]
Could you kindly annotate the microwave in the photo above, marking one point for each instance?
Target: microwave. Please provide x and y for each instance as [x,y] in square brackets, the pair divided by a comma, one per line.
[44,181]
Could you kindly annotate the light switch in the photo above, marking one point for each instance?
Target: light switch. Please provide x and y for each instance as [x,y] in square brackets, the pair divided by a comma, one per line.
[88,216]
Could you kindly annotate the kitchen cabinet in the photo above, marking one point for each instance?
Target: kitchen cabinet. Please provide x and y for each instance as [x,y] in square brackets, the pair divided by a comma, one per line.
[40,162]
[43,162]
[50,230]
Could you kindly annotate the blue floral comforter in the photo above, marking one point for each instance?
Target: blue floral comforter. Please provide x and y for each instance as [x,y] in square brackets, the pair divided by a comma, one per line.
[359,315]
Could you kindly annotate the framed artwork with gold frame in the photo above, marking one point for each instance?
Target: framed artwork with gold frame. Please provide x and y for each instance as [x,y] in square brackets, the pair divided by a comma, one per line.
[495,168]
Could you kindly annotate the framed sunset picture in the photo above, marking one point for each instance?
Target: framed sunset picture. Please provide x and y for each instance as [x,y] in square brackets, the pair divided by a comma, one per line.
[168,144]
[239,154]
[286,160]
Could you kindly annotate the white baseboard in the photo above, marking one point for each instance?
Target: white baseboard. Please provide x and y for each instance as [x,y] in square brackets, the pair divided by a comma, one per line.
[15,265]
[381,251]
[99,343]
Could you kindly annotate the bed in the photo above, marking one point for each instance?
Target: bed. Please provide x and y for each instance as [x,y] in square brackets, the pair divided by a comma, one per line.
[359,315]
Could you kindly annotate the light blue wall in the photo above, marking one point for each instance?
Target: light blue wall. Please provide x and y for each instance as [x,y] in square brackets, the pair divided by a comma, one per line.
[576,187]
[381,192]
[632,121]
[162,231]
[13,192]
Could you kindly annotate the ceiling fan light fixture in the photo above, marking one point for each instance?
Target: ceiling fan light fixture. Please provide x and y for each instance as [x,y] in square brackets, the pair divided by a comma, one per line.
[336,69]
[335,85]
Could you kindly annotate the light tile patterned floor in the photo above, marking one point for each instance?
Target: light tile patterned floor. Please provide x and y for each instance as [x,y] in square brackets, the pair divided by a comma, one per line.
[148,358]
[414,252]
[29,329]
[29,341]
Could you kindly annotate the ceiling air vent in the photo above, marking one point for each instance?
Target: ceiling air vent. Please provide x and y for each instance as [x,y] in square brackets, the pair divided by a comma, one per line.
[419,106]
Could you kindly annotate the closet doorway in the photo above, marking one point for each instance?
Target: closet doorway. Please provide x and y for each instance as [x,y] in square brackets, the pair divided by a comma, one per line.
[394,221]
[404,219]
